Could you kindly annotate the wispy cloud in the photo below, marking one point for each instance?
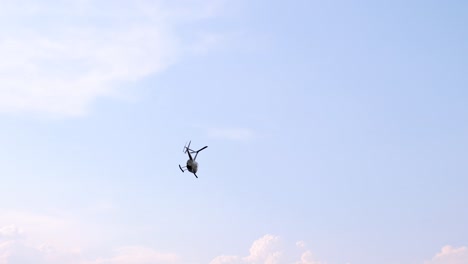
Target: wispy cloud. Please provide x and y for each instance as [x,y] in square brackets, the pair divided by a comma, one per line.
[137,255]
[15,252]
[300,244]
[19,247]
[10,232]
[85,50]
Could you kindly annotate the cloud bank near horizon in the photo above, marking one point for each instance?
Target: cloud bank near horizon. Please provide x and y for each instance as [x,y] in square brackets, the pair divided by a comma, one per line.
[18,246]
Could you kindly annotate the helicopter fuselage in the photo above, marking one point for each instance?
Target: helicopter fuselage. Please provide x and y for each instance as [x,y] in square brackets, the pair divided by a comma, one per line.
[192,166]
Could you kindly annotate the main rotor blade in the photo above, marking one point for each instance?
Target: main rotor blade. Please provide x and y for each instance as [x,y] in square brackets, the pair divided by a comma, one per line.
[202,148]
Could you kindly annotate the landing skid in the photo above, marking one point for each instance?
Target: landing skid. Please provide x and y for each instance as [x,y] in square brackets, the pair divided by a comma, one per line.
[181,168]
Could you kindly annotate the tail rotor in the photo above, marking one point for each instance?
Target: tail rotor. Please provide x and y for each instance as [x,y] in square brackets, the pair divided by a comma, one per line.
[187,147]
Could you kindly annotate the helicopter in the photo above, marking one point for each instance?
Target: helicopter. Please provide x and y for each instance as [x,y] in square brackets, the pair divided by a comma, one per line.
[192,165]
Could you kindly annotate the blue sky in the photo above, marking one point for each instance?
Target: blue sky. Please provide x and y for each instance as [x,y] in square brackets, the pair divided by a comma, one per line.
[337,132]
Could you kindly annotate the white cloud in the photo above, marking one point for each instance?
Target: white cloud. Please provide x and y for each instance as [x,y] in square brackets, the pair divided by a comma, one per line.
[85,50]
[308,258]
[450,255]
[266,250]
[227,260]
[263,250]
[236,134]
